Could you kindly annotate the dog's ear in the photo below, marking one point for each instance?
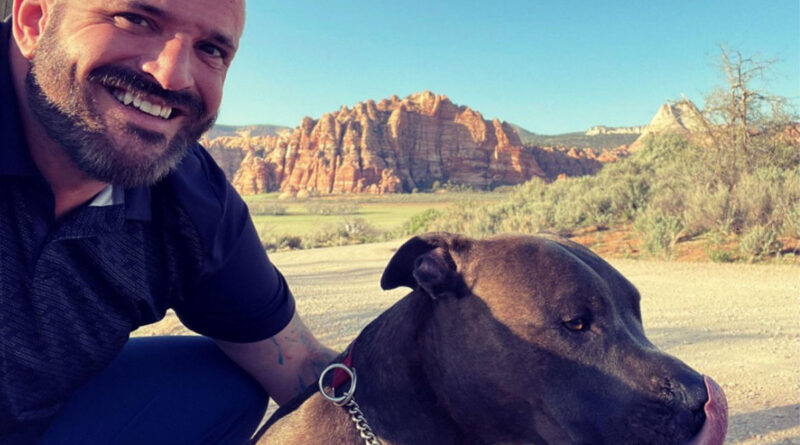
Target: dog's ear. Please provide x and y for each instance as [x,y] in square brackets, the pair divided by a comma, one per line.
[426,261]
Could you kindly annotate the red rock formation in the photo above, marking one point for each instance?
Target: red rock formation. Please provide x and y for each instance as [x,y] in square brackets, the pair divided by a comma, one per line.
[253,175]
[392,146]
[562,162]
[230,151]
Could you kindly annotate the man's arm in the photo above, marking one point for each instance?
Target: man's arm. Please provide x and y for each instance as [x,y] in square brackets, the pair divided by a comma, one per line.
[285,364]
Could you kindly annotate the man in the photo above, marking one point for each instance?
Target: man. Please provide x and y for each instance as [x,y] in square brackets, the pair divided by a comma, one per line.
[110,213]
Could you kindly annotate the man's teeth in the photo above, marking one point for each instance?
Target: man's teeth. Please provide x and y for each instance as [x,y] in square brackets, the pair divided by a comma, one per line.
[127,98]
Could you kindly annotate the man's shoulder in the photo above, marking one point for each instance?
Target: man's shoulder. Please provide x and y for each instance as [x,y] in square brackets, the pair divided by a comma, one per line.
[198,189]
[198,173]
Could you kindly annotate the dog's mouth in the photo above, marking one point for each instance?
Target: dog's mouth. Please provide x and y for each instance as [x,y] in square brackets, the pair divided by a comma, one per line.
[716,424]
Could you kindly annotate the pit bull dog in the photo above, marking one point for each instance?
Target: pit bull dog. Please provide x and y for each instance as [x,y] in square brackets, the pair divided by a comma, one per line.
[513,339]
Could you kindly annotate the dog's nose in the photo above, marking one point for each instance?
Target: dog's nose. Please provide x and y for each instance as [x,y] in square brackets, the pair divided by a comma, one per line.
[691,397]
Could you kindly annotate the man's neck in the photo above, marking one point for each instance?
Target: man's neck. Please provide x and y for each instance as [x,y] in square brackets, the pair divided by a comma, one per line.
[70,186]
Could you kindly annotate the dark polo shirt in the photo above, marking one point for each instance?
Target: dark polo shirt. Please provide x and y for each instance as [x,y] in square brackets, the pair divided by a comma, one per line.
[72,290]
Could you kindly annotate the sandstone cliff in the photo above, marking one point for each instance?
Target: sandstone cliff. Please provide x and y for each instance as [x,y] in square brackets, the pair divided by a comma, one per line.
[230,151]
[390,146]
[681,117]
[559,162]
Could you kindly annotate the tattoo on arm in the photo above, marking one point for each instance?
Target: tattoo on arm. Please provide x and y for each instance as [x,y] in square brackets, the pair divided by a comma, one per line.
[316,357]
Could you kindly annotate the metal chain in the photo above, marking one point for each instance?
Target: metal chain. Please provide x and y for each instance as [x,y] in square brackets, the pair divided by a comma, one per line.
[349,403]
[361,423]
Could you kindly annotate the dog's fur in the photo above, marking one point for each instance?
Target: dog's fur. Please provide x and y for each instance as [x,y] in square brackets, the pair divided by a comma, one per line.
[509,340]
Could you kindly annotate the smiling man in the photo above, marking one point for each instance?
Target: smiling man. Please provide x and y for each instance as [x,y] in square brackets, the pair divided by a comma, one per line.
[112,214]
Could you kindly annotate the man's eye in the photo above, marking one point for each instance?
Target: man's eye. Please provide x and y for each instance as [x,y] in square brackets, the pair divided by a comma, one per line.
[133,19]
[212,50]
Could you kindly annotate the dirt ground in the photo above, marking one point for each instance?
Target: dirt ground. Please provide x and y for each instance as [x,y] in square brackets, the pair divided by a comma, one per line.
[738,323]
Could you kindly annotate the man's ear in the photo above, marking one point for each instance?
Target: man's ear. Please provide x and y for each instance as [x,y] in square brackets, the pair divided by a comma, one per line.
[29,19]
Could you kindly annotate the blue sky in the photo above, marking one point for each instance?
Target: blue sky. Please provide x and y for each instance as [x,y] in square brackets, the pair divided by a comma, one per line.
[549,66]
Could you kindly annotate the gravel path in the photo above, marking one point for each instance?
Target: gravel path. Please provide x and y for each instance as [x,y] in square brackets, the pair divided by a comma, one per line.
[737,323]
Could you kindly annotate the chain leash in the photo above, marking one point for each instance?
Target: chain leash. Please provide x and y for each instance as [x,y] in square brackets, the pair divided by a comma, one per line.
[349,403]
[361,423]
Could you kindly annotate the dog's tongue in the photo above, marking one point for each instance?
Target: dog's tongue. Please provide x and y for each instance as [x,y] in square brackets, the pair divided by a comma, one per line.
[716,425]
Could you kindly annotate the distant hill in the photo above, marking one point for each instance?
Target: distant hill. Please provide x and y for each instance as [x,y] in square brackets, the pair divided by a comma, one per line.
[578,139]
[239,130]
[678,117]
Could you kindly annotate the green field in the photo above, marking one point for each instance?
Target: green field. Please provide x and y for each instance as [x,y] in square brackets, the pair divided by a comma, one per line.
[383,212]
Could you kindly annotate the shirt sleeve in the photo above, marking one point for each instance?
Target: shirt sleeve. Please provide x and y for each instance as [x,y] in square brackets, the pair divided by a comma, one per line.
[240,295]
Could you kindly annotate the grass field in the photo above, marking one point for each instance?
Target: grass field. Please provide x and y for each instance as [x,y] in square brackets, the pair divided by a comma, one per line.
[384,212]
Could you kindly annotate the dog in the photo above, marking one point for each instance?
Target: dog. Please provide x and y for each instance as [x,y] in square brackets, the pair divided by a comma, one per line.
[514,339]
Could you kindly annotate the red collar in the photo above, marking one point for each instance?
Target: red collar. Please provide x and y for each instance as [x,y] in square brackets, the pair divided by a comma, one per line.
[339,376]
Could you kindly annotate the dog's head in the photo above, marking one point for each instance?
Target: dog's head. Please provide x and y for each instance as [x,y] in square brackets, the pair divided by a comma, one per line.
[535,339]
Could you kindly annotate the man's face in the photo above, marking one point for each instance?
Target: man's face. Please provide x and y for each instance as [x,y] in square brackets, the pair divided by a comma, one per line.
[126,86]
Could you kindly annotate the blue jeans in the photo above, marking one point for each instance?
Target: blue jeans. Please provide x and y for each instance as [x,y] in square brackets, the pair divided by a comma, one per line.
[163,390]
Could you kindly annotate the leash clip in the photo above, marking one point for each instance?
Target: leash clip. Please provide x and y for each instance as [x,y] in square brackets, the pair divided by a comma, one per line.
[348,395]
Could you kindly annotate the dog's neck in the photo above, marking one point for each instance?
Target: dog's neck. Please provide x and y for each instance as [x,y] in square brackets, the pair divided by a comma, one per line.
[393,390]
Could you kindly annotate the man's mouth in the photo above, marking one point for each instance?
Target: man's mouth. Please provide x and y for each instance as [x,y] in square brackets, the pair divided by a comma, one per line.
[141,102]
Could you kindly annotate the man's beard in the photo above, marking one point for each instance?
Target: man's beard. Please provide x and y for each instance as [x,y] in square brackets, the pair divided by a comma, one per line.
[139,157]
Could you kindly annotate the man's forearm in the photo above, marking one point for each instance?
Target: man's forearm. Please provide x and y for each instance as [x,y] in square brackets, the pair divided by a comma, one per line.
[285,364]
[307,366]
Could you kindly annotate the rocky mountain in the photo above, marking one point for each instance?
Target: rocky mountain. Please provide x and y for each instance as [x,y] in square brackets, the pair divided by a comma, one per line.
[391,146]
[399,145]
[230,151]
[680,117]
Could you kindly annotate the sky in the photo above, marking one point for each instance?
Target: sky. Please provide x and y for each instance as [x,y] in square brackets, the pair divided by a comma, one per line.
[549,66]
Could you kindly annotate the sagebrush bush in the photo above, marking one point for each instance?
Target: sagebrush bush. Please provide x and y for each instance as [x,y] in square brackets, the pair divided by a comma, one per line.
[715,248]
[418,223]
[348,231]
[659,231]
[317,207]
[267,208]
[277,242]
[759,242]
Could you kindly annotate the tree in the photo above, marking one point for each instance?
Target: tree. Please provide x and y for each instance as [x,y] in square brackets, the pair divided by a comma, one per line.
[745,121]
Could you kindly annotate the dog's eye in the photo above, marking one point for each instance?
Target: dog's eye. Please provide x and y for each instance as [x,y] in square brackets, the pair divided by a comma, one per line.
[577,324]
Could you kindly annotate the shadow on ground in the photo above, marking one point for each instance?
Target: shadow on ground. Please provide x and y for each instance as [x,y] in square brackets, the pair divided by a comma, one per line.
[760,423]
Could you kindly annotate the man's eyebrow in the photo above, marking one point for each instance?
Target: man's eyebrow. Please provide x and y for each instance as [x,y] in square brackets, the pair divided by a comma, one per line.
[148,8]
[218,37]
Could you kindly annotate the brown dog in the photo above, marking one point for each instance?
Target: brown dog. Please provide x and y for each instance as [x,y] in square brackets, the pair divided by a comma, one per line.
[510,340]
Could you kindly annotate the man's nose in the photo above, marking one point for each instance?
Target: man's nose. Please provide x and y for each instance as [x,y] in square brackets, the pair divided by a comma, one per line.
[171,64]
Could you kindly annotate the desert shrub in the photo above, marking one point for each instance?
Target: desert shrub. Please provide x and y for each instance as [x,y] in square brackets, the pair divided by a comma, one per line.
[759,242]
[791,226]
[316,207]
[708,211]
[627,192]
[277,242]
[418,223]
[267,208]
[659,231]
[715,248]
[451,186]
[348,231]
